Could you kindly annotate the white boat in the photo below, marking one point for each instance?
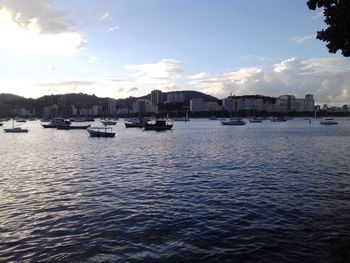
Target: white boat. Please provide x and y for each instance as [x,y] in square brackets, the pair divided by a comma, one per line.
[101,132]
[15,129]
[328,121]
[233,121]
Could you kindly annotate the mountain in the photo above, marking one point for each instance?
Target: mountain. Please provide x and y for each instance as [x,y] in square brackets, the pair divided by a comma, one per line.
[10,98]
[8,102]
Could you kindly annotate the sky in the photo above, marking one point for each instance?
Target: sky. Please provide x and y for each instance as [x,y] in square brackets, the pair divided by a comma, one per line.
[122,48]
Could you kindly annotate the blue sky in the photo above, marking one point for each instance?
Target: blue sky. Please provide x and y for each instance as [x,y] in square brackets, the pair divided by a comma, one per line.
[121,48]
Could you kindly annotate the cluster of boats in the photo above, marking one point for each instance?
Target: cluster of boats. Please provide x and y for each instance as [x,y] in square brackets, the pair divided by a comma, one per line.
[144,123]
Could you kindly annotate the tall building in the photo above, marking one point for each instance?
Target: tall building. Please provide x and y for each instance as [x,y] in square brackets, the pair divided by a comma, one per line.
[175,97]
[143,105]
[112,106]
[156,97]
[309,102]
[197,105]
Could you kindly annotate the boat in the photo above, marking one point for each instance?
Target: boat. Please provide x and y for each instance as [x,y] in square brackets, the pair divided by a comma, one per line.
[158,125]
[328,121]
[101,132]
[185,118]
[233,121]
[278,119]
[54,123]
[21,120]
[255,120]
[213,118]
[134,123]
[108,122]
[15,129]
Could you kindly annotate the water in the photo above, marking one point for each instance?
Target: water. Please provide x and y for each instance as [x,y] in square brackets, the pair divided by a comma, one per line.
[203,192]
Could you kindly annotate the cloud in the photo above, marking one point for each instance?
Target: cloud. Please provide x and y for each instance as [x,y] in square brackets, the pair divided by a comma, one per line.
[327,78]
[69,83]
[302,39]
[200,75]
[113,28]
[35,26]
[133,89]
[104,17]
[164,70]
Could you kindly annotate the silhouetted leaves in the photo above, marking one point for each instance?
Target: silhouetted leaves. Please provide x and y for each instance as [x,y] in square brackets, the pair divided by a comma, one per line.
[337,17]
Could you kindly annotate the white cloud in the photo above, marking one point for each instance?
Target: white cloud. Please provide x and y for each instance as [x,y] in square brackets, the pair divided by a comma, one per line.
[162,71]
[36,27]
[302,39]
[327,78]
[200,75]
[104,17]
[113,28]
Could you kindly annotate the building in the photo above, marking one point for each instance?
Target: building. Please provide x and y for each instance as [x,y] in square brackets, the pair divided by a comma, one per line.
[175,97]
[97,110]
[143,106]
[198,105]
[156,97]
[309,103]
[228,104]
[112,106]
[50,111]
[288,103]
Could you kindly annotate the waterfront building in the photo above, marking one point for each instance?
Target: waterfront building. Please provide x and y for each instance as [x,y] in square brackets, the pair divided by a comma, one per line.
[288,103]
[228,104]
[144,105]
[97,110]
[198,105]
[50,111]
[156,97]
[112,106]
[175,97]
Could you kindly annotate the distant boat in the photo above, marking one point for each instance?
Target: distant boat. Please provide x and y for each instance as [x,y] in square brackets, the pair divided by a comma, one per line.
[54,123]
[134,123]
[328,121]
[21,120]
[101,132]
[15,129]
[213,118]
[108,122]
[158,125]
[278,119]
[255,120]
[233,121]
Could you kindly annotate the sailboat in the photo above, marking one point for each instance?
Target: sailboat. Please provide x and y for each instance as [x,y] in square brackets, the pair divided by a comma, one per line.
[15,129]
[328,121]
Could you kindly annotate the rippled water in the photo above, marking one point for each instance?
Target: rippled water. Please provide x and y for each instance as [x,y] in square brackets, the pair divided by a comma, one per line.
[203,192]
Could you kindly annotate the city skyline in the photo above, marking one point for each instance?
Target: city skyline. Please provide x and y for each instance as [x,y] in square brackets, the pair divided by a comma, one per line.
[129,48]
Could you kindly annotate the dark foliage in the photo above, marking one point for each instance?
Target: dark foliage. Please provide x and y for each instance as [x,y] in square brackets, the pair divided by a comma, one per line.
[337,17]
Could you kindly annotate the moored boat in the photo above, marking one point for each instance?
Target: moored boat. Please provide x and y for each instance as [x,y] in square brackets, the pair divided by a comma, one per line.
[108,122]
[15,129]
[134,123]
[101,132]
[158,125]
[233,121]
[328,121]
[255,120]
